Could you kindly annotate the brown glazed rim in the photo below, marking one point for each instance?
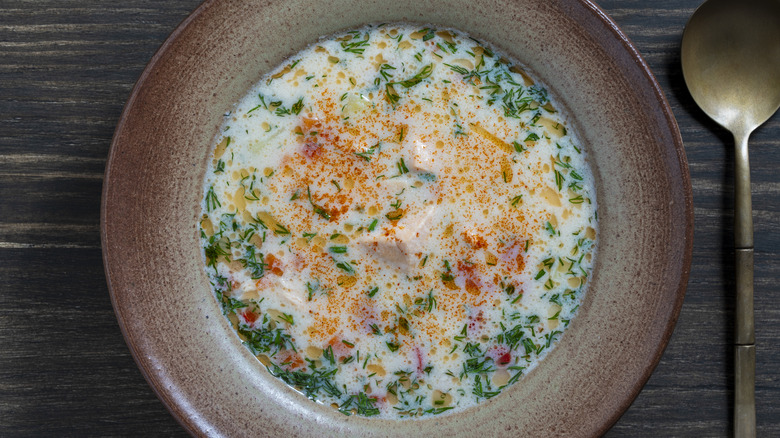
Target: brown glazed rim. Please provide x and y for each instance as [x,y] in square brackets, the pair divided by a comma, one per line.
[184,420]
[169,399]
[689,223]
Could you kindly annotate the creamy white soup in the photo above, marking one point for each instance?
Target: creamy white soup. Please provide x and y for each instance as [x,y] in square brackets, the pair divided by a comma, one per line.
[399,221]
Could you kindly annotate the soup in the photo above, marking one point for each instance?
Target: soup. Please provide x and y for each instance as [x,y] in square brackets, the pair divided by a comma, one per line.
[399,221]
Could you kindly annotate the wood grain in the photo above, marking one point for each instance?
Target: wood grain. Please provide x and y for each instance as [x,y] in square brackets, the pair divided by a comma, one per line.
[66,69]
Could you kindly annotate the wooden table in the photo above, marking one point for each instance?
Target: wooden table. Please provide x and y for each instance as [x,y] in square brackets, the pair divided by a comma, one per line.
[66,69]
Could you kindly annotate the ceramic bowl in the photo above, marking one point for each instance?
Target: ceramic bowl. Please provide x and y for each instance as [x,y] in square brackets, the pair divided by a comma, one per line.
[190,355]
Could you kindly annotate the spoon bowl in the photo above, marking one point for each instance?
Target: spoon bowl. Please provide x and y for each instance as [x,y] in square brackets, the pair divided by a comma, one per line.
[731,64]
[731,61]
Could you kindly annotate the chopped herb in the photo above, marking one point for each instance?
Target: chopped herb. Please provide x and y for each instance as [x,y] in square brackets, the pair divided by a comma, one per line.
[391,94]
[384,71]
[402,169]
[558,179]
[346,267]
[416,79]
[264,339]
[214,251]
[356,47]
[457,69]
[366,155]
[395,215]
[317,209]
[286,318]
[297,106]
[212,202]
[528,345]
[360,404]
[479,391]
[311,288]
[328,354]
[308,383]
[255,267]
[437,411]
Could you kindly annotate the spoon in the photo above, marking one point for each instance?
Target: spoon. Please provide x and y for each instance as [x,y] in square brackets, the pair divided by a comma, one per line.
[731,64]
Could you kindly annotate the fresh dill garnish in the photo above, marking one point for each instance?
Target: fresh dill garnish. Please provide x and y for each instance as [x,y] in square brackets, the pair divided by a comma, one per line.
[402,169]
[212,202]
[366,155]
[287,318]
[558,179]
[281,230]
[424,73]
[262,338]
[355,46]
[250,261]
[346,267]
[384,71]
[297,106]
[312,288]
[312,383]
[361,404]
[317,209]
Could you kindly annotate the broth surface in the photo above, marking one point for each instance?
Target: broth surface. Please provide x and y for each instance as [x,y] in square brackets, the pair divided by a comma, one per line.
[399,221]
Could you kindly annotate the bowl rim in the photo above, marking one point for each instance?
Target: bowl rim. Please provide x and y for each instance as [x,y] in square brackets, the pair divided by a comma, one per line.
[682,160]
[170,401]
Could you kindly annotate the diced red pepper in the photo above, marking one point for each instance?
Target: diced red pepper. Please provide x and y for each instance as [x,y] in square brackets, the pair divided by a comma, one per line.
[420,363]
[249,316]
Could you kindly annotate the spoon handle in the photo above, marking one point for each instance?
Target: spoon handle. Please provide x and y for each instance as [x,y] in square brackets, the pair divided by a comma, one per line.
[744,336]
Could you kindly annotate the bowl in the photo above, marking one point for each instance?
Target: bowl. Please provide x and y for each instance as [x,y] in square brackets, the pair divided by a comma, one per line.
[174,327]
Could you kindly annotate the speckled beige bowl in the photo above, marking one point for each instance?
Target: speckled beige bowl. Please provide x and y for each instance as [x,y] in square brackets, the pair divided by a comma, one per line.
[163,302]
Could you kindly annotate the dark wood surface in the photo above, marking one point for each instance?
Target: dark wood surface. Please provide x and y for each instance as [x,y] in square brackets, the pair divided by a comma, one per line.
[66,69]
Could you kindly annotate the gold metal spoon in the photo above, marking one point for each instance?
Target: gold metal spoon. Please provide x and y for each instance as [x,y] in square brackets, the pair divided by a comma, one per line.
[731,64]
